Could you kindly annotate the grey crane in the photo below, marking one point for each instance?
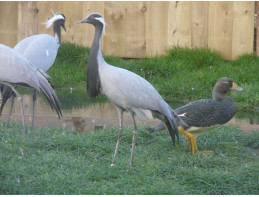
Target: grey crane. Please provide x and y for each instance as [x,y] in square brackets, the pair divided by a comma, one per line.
[41,50]
[17,69]
[205,114]
[127,90]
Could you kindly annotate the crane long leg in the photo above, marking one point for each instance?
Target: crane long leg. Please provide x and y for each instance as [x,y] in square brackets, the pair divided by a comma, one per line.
[22,111]
[120,112]
[133,141]
[33,106]
[21,104]
[11,110]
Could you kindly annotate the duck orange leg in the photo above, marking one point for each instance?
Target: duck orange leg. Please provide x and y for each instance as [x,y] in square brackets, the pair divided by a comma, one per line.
[189,138]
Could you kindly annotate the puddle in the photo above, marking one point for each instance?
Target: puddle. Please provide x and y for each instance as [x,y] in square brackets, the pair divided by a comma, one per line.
[98,115]
[92,117]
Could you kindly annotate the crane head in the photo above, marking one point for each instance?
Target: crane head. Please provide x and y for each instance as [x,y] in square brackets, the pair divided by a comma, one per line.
[95,19]
[62,20]
[57,17]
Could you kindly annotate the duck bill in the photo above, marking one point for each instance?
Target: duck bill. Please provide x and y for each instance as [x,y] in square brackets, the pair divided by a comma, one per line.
[235,87]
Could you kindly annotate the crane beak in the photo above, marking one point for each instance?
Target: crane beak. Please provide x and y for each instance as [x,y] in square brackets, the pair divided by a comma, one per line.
[235,87]
[64,27]
[82,21]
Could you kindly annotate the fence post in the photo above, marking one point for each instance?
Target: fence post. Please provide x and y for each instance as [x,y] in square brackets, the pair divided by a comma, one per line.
[27,19]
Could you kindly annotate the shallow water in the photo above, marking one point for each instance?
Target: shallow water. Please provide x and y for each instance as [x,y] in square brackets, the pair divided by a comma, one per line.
[94,116]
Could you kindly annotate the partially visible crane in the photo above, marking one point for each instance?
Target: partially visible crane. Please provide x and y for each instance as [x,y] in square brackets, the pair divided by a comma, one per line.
[41,50]
[17,69]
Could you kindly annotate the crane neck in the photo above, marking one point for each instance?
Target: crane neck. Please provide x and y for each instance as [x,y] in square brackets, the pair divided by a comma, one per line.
[96,51]
[95,59]
[57,30]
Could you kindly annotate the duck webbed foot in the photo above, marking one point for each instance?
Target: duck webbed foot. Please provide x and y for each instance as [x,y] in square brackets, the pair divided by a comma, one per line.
[189,138]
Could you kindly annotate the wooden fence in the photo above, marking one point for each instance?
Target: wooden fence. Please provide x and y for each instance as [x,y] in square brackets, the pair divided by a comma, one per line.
[140,29]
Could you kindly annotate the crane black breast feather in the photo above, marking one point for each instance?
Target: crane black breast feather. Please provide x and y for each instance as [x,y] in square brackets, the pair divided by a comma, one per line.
[93,78]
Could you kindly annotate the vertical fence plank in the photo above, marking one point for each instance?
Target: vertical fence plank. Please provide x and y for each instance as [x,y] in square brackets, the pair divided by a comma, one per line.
[27,19]
[125,30]
[134,39]
[199,24]
[221,27]
[243,21]
[156,28]
[179,26]
[115,28]
[8,25]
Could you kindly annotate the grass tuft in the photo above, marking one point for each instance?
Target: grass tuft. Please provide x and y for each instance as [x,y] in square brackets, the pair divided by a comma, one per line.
[182,75]
[194,58]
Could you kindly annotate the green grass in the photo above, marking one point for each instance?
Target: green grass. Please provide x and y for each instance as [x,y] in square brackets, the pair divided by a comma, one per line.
[57,161]
[69,69]
[182,74]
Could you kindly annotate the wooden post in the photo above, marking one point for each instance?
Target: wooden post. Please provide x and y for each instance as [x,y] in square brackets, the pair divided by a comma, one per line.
[27,19]
[257,28]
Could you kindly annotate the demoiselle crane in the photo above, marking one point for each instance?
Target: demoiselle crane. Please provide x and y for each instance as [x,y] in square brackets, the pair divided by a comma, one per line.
[127,90]
[41,50]
[206,114]
[19,70]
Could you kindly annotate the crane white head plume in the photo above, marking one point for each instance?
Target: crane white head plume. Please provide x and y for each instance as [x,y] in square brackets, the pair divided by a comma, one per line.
[53,19]
[101,19]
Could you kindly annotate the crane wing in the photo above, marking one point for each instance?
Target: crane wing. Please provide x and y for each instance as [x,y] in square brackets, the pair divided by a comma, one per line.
[15,68]
[40,49]
[128,89]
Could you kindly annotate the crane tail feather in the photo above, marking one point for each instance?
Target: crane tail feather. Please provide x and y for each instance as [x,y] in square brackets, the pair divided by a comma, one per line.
[172,128]
[6,92]
[49,93]
[170,123]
